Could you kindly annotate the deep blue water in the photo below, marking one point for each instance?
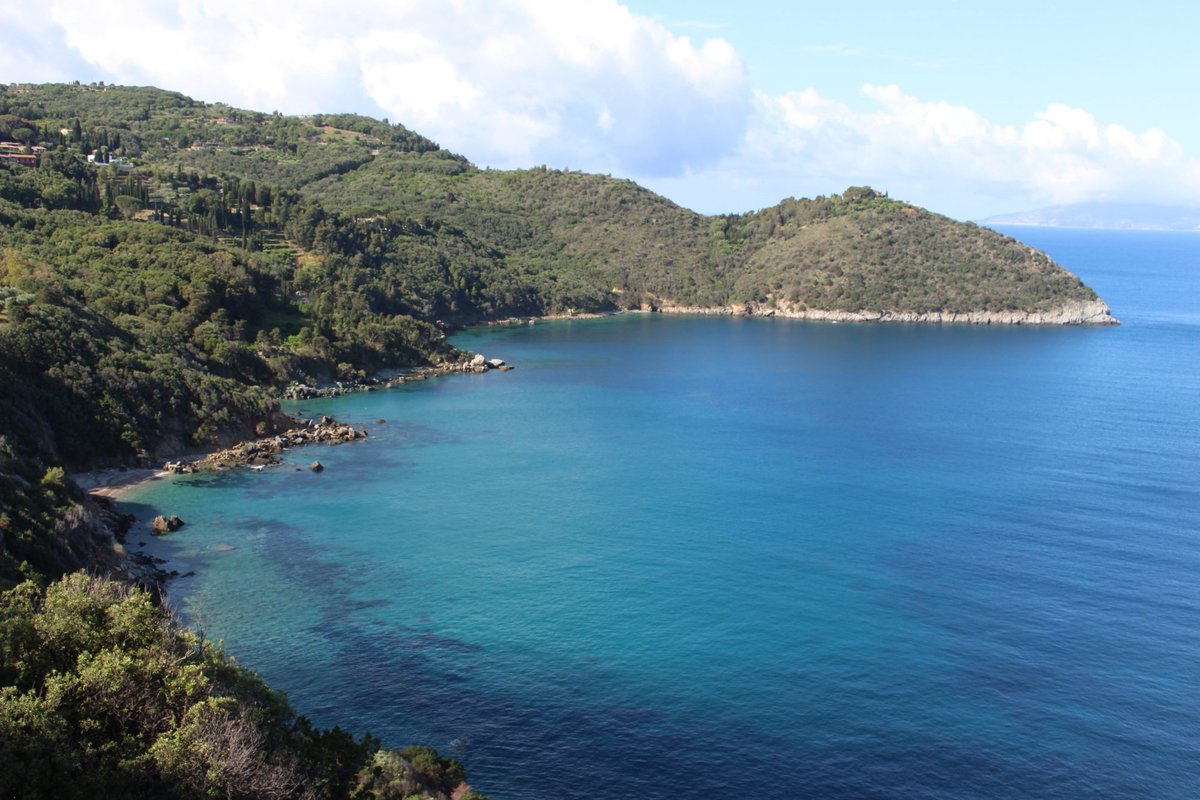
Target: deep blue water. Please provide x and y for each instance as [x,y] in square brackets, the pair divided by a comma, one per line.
[699,558]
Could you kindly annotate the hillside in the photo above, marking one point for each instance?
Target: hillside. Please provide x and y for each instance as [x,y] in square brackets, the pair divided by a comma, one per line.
[567,239]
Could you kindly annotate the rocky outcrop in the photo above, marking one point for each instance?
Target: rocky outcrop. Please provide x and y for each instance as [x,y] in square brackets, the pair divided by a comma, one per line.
[261,452]
[481,364]
[301,391]
[163,524]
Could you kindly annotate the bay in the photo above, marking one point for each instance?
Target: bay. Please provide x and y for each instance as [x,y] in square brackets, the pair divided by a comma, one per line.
[707,557]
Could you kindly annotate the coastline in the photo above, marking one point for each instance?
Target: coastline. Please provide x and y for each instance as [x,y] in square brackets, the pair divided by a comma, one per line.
[1091,313]
[1080,312]
[116,484]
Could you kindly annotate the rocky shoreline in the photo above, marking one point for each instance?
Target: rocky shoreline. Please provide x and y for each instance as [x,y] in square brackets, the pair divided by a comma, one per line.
[1079,312]
[301,391]
[268,449]
[1082,312]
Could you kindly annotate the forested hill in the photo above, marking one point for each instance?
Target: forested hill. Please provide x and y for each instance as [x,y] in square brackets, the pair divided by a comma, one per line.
[167,265]
[429,235]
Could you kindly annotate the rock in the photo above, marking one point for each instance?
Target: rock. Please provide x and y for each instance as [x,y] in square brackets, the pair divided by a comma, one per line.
[478,360]
[495,363]
[164,524]
[316,466]
[381,422]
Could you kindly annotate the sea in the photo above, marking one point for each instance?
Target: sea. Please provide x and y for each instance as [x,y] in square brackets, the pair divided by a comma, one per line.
[700,557]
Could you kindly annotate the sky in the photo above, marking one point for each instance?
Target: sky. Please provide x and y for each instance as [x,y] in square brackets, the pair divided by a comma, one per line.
[967,107]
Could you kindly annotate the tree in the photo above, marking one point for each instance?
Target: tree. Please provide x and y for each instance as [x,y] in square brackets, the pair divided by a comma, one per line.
[128,206]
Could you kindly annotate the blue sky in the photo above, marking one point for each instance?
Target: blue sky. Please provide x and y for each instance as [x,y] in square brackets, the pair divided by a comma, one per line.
[1135,63]
[968,108]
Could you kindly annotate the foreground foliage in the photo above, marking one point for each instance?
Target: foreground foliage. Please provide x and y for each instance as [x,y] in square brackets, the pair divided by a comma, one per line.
[103,696]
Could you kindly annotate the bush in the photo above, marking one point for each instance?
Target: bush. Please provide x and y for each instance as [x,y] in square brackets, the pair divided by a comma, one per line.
[105,696]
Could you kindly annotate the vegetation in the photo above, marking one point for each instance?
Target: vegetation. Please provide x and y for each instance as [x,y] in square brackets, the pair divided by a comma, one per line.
[167,265]
[104,696]
[422,232]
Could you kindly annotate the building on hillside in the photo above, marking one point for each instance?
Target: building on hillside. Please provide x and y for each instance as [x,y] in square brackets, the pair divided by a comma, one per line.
[16,153]
[24,159]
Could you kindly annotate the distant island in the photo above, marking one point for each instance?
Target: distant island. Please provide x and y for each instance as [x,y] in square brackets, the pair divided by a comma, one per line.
[168,268]
[1109,216]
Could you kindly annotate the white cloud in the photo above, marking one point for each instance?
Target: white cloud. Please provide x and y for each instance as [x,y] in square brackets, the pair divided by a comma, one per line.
[591,85]
[506,82]
[948,157]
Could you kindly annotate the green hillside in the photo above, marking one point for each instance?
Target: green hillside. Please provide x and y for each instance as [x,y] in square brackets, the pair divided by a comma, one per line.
[567,239]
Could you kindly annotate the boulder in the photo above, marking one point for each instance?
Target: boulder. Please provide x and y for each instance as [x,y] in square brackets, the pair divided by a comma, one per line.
[495,363]
[163,524]
[478,360]
[316,466]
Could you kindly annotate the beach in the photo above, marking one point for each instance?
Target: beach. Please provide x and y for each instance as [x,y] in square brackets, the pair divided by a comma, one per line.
[115,483]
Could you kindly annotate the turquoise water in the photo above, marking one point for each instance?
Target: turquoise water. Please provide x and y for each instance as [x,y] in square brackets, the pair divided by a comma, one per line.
[693,557]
